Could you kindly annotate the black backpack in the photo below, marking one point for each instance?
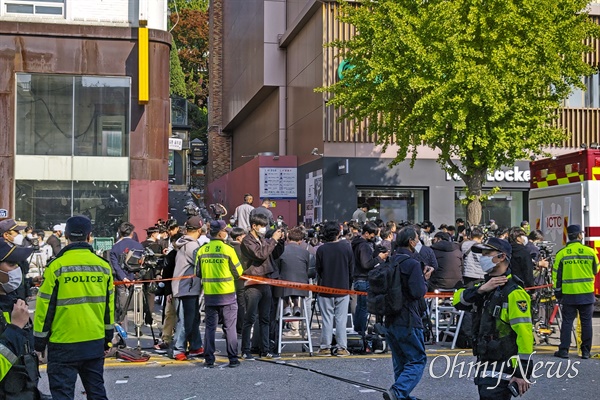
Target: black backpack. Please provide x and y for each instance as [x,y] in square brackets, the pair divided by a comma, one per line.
[385,296]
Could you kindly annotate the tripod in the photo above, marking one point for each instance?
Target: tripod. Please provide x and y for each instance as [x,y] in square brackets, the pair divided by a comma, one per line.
[313,310]
[141,309]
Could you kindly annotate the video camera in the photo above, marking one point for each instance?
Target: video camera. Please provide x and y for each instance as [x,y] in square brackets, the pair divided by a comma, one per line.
[145,264]
[546,248]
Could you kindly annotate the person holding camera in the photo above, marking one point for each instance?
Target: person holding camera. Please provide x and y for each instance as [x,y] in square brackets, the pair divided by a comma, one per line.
[116,257]
[258,257]
[74,315]
[502,328]
[366,258]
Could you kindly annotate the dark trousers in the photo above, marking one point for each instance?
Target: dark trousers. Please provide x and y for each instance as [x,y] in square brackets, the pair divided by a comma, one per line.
[258,303]
[228,314]
[241,303]
[492,389]
[63,376]
[569,313]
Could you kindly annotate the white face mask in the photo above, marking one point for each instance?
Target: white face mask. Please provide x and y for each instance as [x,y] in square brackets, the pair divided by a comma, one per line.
[262,231]
[418,247]
[486,263]
[525,240]
[14,280]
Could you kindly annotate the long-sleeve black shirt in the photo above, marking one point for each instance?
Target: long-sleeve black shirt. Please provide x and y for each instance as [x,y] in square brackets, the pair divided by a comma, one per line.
[334,264]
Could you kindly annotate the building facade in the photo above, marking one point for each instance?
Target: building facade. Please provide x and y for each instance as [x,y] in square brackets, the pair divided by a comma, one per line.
[273,56]
[85,111]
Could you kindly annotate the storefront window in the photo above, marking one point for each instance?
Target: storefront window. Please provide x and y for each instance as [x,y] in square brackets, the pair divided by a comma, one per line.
[394,204]
[65,115]
[47,203]
[504,207]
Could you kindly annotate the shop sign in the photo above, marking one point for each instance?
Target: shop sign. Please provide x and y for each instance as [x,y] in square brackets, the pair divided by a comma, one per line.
[175,144]
[515,174]
[171,163]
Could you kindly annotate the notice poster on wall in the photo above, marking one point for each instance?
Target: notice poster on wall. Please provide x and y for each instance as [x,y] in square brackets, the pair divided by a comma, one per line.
[313,212]
[278,183]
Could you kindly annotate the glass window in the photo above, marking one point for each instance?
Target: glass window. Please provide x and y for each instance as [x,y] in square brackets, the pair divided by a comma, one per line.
[72,116]
[102,116]
[19,8]
[44,7]
[507,208]
[44,114]
[48,10]
[44,204]
[393,204]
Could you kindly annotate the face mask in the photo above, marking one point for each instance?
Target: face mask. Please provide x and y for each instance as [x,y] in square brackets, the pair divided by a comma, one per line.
[14,280]
[525,240]
[418,247]
[232,221]
[262,231]
[18,240]
[486,263]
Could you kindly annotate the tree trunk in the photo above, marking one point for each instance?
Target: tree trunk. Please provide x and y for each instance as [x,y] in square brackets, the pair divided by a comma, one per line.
[474,181]
[474,212]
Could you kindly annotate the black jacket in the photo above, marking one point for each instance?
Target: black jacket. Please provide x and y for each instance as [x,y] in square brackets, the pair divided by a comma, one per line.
[20,343]
[364,259]
[335,262]
[521,264]
[449,259]
[414,288]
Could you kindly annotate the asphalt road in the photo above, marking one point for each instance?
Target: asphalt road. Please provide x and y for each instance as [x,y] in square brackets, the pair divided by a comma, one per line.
[163,378]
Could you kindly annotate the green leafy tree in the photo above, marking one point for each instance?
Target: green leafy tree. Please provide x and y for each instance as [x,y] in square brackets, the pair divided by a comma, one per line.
[177,84]
[188,22]
[478,80]
[190,34]
[191,4]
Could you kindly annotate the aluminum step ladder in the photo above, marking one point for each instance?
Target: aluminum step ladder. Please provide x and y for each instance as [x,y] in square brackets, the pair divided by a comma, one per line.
[303,328]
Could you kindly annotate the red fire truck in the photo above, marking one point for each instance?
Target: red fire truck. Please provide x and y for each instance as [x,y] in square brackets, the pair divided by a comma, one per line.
[565,190]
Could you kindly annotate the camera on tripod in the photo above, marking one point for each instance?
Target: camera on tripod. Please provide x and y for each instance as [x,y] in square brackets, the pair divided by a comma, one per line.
[145,264]
[546,248]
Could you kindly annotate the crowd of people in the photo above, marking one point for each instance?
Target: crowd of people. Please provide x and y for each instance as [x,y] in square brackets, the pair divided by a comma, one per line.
[213,260]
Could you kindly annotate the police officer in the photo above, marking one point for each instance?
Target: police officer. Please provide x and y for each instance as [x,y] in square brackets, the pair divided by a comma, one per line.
[17,358]
[218,266]
[74,315]
[502,330]
[573,275]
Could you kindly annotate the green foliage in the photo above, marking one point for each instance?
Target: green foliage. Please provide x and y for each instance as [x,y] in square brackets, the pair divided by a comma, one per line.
[198,119]
[188,23]
[177,85]
[190,34]
[189,4]
[479,80]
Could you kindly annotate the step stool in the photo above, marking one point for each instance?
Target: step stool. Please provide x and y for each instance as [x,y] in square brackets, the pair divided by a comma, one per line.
[303,328]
